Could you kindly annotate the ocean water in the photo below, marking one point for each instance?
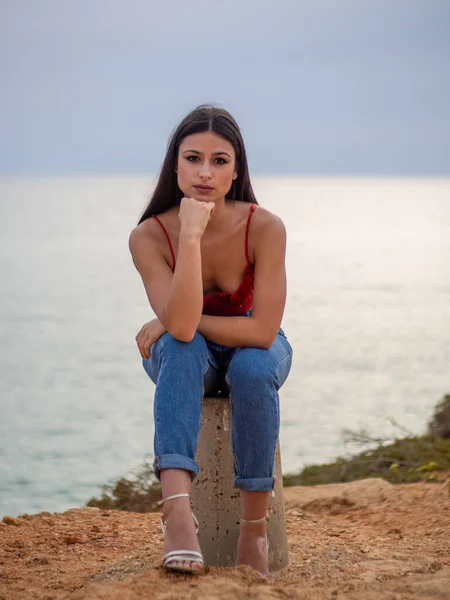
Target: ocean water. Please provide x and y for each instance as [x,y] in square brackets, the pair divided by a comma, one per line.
[368,315]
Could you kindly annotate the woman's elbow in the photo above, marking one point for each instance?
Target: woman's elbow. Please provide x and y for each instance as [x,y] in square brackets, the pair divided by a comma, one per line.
[181,331]
[182,336]
[180,326]
[264,335]
[268,340]
[266,345]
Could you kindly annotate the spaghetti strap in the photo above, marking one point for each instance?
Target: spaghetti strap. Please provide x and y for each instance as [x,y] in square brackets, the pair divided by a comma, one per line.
[252,210]
[168,239]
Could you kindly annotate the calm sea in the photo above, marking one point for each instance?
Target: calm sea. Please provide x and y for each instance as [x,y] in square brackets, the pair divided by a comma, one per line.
[368,315]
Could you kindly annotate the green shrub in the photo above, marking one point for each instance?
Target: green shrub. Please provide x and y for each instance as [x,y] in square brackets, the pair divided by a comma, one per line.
[139,493]
[403,461]
[439,425]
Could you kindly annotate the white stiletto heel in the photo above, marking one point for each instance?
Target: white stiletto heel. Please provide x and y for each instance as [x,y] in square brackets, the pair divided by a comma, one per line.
[171,559]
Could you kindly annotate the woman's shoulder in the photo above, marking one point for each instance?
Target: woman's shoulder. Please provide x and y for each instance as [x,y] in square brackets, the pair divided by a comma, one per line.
[266,222]
[267,231]
[144,232]
[149,232]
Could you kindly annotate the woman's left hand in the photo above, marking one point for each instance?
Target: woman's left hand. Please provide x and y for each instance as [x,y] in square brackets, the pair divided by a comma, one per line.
[148,335]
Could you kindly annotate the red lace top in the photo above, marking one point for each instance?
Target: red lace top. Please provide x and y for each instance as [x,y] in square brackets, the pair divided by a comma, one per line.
[224,304]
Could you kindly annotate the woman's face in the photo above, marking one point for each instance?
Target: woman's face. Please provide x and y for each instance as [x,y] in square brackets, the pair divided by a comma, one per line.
[206,166]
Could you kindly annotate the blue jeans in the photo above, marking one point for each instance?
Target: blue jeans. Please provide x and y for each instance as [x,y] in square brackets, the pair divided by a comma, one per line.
[186,371]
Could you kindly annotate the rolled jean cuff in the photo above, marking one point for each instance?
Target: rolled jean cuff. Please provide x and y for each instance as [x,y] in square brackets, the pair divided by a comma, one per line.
[175,461]
[258,484]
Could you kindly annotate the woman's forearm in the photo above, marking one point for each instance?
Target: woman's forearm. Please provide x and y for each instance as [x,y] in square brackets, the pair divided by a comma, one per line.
[236,332]
[184,305]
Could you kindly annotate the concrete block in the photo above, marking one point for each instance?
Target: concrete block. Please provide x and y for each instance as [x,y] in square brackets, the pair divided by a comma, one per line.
[215,500]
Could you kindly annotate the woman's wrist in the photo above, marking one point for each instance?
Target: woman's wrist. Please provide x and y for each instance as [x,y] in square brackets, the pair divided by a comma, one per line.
[189,237]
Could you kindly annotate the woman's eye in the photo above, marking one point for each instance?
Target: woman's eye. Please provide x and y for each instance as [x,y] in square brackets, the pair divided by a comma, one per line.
[218,160]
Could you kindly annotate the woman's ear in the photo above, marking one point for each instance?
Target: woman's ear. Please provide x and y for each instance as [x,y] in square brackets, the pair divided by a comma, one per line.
[235,175]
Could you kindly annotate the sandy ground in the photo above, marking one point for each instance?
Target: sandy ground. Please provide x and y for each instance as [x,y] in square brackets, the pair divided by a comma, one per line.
[366,540]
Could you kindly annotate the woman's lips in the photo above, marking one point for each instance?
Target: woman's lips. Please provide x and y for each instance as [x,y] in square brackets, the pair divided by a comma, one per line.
[203,189]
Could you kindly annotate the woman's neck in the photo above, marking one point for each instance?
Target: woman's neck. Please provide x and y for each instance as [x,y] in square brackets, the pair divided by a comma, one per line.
[222,214]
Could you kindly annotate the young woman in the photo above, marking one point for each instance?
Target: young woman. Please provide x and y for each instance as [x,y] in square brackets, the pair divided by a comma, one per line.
[213,265]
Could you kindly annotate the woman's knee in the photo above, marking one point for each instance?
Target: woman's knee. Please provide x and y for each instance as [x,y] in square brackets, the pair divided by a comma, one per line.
[168,350]
[251,366]
[181,356]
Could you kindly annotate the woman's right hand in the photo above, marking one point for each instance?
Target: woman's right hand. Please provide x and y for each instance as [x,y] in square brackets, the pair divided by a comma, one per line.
[148,335]
[194,216]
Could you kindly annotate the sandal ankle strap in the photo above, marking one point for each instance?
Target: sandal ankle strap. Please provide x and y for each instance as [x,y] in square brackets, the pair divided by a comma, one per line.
[254,520]
[161,502]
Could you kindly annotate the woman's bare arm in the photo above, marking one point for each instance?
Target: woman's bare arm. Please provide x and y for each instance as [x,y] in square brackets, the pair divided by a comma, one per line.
[176,298]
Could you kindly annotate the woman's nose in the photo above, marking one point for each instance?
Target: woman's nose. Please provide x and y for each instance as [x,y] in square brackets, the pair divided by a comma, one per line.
[205,169]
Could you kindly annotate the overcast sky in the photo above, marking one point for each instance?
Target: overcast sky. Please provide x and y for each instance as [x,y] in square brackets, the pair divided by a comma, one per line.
[331,87]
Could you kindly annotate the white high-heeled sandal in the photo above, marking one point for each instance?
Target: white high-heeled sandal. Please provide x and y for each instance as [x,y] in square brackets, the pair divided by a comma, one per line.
[258,521]
[171,559]
[254,520]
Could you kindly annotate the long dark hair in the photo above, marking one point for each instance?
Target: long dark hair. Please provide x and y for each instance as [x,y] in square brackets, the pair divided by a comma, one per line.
[203,118]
